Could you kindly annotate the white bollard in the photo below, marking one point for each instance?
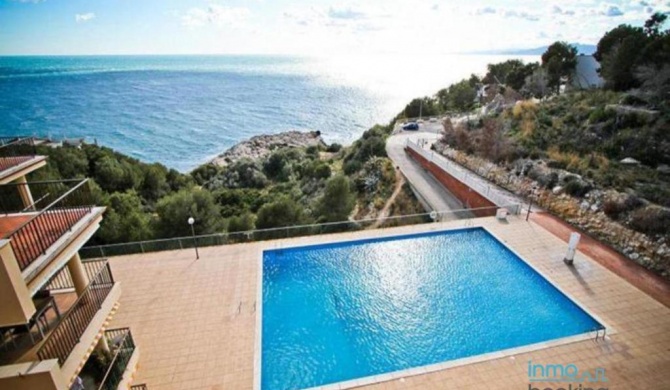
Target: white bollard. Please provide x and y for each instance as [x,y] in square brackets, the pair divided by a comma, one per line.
[572,248]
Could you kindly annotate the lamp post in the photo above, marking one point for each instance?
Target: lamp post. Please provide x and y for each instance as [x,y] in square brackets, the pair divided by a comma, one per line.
[191,221]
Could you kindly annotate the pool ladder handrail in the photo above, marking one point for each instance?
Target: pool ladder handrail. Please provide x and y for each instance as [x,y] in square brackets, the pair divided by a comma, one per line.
[598,336]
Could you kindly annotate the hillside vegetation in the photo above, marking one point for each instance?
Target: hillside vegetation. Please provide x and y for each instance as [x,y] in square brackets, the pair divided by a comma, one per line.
[598,158]
[291,186]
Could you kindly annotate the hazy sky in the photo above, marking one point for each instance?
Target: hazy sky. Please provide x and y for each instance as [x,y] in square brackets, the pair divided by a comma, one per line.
[316,27]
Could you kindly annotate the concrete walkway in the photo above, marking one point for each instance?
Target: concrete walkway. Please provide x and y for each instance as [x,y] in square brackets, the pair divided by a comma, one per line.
[640,277]
[432,193]
[198,322]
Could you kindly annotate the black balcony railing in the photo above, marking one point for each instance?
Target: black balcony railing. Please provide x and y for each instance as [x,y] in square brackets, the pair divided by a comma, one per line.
[62,280]
[60,343]
[122,346]
[32,238]
[15,150]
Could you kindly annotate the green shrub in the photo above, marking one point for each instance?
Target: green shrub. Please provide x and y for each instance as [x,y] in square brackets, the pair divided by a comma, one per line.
[241,223]
[205,173]
[174,210]
[577,188]
[352,166]
[337,201]
[548,180]
[315,170]
[322,171]
[600,114]
[334,148]
[283,212]
[655,192]
[312,151]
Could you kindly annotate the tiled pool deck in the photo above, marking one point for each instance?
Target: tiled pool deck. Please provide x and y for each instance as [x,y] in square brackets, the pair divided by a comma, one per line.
[196,320]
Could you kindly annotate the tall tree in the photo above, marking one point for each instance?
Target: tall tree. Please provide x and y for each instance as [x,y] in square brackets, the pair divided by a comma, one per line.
[420,107]
[559,61]
[283,212]
[652,27]
[619,53]
[337,201]
[124,220]
[512,73]
[174,211]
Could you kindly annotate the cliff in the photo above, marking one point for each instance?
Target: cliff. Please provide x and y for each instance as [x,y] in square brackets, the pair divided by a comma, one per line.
[260,146]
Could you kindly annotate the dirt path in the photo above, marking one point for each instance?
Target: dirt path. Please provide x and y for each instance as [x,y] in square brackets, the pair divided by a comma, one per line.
[399,182]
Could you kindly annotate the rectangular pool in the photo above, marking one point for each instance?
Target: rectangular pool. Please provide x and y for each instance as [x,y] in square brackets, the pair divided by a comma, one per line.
[342,311]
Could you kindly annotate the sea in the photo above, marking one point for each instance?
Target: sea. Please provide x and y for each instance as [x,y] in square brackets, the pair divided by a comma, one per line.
[182,111]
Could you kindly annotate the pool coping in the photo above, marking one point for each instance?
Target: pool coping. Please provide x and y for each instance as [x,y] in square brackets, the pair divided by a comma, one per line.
[414,371]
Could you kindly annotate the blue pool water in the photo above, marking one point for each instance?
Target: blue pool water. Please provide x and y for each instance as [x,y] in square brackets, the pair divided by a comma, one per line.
[338,312]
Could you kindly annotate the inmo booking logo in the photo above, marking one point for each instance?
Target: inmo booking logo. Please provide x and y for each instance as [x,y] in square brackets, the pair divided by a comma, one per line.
[566,377]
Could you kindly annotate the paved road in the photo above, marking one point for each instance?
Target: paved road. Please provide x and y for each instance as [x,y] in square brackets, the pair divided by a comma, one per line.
[433,193]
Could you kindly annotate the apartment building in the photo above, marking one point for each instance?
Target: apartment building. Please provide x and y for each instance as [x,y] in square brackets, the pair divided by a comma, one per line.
[54,307]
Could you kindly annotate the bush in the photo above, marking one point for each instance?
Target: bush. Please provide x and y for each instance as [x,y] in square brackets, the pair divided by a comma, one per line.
[241,223]
[352,166]
[334,148]
[244,173]
[205,173]
[548,181]
[577,188]
[651,220]
[174,210]
[322,171]
[312,151]
[283,212]
[371,147]
[601,115]
[337,201]
[658,192]
[613,208]
[279,165]
[233,201]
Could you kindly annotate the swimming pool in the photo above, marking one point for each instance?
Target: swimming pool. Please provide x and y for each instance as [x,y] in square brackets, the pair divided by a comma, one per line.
[341,311]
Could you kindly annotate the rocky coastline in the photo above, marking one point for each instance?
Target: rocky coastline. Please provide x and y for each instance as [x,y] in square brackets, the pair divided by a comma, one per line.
[261,146]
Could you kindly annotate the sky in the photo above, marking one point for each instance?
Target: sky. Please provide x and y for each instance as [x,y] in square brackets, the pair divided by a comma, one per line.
[306,27]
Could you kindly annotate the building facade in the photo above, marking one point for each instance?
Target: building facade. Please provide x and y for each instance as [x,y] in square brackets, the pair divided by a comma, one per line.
[55,308]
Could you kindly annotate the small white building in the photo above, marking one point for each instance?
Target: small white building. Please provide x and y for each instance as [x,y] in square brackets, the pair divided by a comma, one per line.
[586,74]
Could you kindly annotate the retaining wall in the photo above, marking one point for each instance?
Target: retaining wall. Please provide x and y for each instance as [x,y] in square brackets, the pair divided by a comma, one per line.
[469,197]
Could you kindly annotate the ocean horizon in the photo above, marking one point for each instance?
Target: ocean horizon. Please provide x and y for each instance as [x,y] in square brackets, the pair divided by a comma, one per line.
[183,110]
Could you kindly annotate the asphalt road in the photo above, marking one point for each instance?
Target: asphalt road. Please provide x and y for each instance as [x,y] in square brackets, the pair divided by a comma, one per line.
[433,193]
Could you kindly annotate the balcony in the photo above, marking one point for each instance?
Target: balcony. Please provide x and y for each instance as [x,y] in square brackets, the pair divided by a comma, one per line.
[37,215]
[107,369]
[18,157]
[68,336]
